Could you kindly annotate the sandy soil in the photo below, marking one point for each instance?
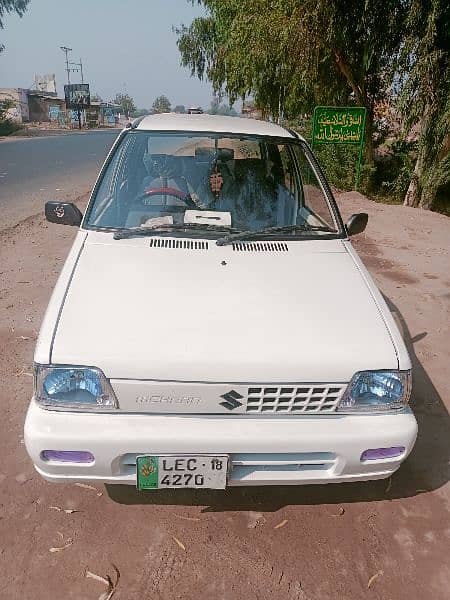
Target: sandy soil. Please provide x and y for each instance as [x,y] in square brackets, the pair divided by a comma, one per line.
[386,540]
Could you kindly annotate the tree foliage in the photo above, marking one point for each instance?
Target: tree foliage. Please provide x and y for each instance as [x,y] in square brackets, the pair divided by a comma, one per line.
[290,55]
[161,104]
[7,125]
[96,97]
[217,108]
[126,103]
[424,69]
[179,108]
[11,6]
[140,112]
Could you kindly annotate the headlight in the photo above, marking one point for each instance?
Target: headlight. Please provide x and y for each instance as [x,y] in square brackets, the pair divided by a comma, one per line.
[83,388]
[377,391]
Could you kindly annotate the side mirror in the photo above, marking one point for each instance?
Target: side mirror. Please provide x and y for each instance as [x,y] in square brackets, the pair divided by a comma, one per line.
[64,213]
[357,223]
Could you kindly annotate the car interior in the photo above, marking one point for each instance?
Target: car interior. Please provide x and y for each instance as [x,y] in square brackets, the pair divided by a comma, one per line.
[260,190]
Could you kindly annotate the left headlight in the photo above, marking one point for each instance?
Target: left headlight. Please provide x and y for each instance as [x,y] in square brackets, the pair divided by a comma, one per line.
[373,391]
[69,388]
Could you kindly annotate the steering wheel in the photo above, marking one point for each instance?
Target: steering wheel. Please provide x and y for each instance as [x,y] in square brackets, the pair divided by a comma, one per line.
[169,191]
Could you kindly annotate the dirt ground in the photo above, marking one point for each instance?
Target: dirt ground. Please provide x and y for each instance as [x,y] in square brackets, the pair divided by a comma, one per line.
[386,540]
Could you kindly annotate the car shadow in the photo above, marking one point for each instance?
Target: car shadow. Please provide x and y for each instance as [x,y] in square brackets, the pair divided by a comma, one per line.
[424,470]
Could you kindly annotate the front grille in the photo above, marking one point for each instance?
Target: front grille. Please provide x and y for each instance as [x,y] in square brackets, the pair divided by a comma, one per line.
[260,247]
[293,399]
[178,244]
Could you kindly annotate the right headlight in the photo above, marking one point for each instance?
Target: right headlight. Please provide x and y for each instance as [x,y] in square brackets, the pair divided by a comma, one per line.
[73,388]
[374,391]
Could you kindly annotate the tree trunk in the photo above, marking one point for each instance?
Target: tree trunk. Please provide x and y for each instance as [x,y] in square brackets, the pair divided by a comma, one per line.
[428,195]
[413,193]
[362,100]
[412,196]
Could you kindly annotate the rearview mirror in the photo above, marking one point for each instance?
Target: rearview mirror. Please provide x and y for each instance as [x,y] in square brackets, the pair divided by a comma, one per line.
[357,223]
[64,213]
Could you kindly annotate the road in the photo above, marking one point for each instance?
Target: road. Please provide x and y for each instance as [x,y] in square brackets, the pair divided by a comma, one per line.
[383,540]
[34,170]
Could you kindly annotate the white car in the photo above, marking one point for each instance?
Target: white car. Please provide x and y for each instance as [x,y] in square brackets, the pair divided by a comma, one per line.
[213,325]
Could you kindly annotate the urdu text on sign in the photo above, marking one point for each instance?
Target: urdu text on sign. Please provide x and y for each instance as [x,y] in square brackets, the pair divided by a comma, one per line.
[338,125]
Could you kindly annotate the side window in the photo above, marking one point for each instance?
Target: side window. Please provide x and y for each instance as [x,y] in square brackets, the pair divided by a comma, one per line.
[110,187]
[315,205]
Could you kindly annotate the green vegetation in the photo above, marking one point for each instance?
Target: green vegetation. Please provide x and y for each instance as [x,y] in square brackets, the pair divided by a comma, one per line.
[126,103]
[217,108]
[161,104]
[7,125]
[140,112]
[290,55]
[425,97]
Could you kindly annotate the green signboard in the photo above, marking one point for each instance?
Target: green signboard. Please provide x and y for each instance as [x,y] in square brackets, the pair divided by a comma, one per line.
[340,125]
[336,125]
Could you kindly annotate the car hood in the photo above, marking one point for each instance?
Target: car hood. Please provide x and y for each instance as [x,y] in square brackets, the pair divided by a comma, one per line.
[176,310]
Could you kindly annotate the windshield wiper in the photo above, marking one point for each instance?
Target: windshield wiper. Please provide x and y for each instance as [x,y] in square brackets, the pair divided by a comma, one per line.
[156,229]
[242,235]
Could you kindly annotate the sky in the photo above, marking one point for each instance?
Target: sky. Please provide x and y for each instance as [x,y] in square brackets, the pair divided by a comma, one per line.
[125,46]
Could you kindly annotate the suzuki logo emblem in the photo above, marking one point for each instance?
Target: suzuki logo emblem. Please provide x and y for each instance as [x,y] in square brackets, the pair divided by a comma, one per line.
[231,400]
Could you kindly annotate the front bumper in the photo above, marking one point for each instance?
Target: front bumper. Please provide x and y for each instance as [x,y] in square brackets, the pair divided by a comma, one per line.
[263,450]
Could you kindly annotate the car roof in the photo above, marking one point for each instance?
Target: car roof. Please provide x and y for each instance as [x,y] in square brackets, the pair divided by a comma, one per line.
[210,123]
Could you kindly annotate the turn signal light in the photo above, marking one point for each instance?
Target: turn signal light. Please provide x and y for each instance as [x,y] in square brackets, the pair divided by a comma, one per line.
[72,456]
[380,453]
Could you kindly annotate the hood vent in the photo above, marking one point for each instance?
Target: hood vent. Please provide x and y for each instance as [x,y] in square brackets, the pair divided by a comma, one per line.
[260,247]
[179,244]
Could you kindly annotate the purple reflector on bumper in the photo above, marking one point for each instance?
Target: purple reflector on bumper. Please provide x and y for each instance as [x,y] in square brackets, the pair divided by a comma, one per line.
[75,456]
[378,453]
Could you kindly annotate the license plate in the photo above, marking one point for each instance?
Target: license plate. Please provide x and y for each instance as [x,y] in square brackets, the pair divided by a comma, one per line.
[182,471]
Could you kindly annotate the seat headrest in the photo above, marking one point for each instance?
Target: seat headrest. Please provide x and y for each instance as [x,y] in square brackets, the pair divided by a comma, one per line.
[205,152]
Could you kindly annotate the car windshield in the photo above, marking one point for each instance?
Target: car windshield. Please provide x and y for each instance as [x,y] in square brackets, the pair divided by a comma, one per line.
[232,183]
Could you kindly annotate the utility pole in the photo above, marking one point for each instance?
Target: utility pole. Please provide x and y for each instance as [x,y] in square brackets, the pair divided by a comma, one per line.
[70,64]
[69,68]
[66,51]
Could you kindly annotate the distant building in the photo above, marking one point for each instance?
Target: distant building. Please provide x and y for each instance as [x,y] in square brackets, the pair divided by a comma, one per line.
[31,105]
[19,112]
[36,106]
[102,114]
[44,108]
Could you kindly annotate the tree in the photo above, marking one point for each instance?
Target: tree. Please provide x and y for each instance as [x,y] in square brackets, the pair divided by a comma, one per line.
[179,108]
[126,104]
[217,108]
[161,104]
[11,6]
[140,112]
[424,73]
[7,124]
[96,97]
[292,54]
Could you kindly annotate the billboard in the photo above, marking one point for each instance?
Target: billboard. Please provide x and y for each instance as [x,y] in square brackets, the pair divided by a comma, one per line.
[77,96]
